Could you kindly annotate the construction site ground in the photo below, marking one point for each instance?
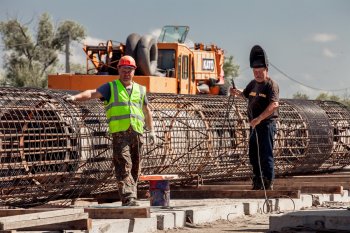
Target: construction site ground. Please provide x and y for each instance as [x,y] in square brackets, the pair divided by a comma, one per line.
[245,224]
[322,204]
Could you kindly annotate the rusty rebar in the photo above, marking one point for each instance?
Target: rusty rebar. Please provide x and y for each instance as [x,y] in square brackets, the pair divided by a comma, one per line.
[51,149]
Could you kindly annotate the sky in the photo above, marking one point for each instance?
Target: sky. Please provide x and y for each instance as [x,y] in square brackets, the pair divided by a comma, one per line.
[307,42]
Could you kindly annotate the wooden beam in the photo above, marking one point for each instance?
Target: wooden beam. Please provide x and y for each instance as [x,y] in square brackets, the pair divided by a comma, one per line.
[40,214]
[335,189]
[194,194]
[40,218]
[81,224]
[18,223]
[118,212]
[319,179]
[314,188]
[11,212]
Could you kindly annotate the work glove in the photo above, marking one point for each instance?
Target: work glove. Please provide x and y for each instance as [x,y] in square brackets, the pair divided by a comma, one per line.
[69,98]
[152,137]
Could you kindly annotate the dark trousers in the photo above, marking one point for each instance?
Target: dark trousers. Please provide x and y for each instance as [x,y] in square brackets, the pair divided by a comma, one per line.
[263,143]
[126,158]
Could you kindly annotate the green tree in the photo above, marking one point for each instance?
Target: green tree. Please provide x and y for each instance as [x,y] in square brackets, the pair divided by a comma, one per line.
[231,71]
[325,96]
[300,96]
[30,57]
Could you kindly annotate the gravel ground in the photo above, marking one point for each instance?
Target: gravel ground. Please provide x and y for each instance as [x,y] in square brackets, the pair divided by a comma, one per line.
[245,224]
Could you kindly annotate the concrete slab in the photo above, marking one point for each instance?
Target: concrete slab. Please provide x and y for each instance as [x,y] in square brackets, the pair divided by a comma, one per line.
[292,204]
[319,199]
[143,225]
[110,225]
[259,206]
[335,219]
[251,208]
[344,197]
[164,220]
[198,211]
[198,215]
[179,215]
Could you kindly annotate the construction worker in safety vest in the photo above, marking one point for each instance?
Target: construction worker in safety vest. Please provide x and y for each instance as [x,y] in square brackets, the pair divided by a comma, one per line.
[127,111]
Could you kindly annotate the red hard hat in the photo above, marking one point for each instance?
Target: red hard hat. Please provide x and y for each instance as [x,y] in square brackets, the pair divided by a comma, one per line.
[127,61]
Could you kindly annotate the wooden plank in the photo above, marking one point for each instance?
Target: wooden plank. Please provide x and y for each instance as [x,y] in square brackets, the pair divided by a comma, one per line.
[194,194]
[303,181]
[19,224]
[346,185]
[335,189]
[314,188]
[118,212]
[315,179]
[11,212]
[81,224]
[41,215]
[312,181]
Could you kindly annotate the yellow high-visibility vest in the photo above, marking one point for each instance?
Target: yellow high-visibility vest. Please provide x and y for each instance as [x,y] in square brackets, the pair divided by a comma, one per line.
[123,110]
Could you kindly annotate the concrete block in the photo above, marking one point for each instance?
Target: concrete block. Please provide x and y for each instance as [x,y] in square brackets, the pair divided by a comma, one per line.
[344,197]
[110,225]
[213,213]
[251,208]
[164,220]
[292,204]
[319,199]
[143,225]
[259,206]
[306,201]
[330,219]
[179,217]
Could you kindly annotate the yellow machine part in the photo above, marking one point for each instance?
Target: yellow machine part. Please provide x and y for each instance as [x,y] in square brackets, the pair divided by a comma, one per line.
[85,82]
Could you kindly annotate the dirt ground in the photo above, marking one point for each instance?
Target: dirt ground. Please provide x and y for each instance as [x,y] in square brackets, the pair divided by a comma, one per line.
[245,224]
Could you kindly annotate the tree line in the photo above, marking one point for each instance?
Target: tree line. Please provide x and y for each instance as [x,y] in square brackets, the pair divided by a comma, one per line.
[28,57]
[324,96]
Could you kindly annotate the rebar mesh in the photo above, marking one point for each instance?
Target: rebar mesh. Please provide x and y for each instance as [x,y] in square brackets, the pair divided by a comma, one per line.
[51,149]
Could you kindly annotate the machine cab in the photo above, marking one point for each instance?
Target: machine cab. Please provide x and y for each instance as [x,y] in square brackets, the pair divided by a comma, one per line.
[174,57]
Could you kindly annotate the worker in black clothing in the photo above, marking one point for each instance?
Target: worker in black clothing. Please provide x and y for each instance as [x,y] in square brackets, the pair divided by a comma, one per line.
[263,97]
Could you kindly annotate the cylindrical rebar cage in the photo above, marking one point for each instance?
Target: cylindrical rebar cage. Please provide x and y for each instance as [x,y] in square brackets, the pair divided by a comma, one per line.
[52,149]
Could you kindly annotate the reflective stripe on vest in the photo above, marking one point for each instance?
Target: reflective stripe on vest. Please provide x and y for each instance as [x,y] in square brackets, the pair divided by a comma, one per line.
[123,110]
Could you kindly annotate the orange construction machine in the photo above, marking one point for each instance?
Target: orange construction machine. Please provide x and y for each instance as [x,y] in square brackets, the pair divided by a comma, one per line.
[166,66]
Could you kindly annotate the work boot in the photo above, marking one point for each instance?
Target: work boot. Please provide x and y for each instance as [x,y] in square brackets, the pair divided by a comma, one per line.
[257,185]
[268,184]
[130,202]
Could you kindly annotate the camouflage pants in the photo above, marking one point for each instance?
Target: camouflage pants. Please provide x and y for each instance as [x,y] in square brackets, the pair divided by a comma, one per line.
[126,158]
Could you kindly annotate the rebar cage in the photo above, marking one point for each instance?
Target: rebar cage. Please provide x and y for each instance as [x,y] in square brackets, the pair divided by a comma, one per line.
[52,149]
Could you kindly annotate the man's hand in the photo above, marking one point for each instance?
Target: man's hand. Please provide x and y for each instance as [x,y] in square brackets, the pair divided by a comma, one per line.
[235,92]
[69,98]
[152,137]
[255,122]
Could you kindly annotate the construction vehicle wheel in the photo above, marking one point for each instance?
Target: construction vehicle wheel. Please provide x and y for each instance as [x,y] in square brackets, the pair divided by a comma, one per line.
[224,89]
[131,45]
[147,55]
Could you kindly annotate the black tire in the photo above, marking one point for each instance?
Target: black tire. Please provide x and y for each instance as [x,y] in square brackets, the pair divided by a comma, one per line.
[147,55]
[223,90]
[131,44]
